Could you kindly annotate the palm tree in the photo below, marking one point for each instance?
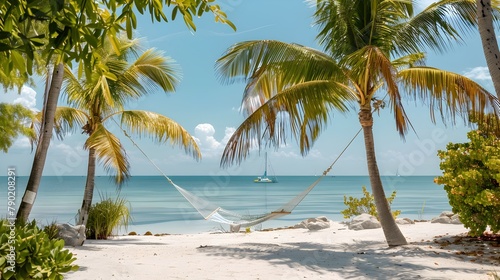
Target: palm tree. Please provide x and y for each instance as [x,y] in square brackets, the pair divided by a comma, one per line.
[372,54]
[97,100]
[72,40]
[485,18]
[51,95]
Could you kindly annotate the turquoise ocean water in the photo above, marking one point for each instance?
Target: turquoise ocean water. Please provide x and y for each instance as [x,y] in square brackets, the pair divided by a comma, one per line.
[158,207]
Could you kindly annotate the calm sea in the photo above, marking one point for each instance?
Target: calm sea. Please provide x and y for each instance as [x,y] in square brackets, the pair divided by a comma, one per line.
[158,207]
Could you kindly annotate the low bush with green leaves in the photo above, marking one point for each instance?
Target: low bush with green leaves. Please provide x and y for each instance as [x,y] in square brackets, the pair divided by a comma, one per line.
[107,216]
[27,252]
[366,204]
[471,177]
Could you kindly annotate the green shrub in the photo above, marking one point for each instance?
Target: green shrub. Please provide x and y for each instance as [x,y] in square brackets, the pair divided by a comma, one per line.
[36,256]
[107,216]
[366,204]
[471,177]
[51,230]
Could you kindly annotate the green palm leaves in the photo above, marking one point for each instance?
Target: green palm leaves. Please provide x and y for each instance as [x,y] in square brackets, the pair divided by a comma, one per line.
[373,49]
[448,93]
[289,87]
[104,95]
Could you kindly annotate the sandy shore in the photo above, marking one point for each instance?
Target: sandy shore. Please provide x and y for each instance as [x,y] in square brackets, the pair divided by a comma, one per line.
[436,251]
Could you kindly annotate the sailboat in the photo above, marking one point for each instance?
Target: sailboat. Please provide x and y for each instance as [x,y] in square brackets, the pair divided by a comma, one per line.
[264,178]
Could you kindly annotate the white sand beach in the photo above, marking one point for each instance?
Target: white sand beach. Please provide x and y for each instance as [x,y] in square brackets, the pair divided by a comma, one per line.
[435,251]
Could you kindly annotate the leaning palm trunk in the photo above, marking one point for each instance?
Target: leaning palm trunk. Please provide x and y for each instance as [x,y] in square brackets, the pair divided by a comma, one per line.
[89,189]
[43,145]
[393,235]
[489,41]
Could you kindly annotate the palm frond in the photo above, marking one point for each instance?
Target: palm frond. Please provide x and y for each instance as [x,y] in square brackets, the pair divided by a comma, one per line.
[160,128]
[102,92]
[388,72]
[338,24]
[115,81]
[449,93]
[157,70]
[302,109]
[374,71]
[110,152]
[270,66]
[346,25]
[73,89]
[68,119]
[409,60]
[437,27]
[245,60]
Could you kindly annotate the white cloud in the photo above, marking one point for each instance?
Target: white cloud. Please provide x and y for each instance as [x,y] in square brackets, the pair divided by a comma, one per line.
[478,73]
[204,133]
[209,145]
[27,98]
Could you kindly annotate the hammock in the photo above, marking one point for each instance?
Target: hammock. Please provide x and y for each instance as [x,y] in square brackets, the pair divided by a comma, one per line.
[215,213]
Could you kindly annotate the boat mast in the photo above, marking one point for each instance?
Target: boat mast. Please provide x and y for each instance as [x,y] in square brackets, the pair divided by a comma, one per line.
[265,167]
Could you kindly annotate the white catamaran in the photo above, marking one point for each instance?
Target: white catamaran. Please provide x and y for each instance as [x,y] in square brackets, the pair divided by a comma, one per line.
[264,178]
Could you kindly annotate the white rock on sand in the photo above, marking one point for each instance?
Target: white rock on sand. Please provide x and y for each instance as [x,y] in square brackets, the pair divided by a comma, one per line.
[332,253]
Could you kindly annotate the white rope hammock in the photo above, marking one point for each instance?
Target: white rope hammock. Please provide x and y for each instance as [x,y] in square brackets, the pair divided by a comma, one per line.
[215,213]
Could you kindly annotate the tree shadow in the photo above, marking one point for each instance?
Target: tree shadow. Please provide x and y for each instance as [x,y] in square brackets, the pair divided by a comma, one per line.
[122,241]
[365,258]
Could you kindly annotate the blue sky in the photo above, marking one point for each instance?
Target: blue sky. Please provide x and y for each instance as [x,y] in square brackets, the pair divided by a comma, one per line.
[209,109]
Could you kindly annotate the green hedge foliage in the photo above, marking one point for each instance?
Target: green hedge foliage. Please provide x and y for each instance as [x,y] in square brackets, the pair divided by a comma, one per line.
[471,177]
[27,252]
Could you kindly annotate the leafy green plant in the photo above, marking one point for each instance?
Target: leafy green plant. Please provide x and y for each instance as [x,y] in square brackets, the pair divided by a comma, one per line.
[471,177]
[51,230]
[27,252]
[366,204]
[107,216]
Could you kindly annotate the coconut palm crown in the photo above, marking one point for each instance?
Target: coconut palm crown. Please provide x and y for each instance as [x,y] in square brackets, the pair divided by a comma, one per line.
[97,100]
[373,56]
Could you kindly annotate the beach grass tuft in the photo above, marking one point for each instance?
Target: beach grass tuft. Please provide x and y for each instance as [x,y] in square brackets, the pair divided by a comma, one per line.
[421,212]
[107,216]
[52,230]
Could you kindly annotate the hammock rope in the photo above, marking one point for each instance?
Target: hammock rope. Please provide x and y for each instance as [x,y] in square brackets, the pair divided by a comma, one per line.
[215,213]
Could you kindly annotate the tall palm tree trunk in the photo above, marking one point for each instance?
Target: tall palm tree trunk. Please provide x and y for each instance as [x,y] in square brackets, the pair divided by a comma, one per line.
[89,189]
[43,145]
[393,235]
[489,41]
